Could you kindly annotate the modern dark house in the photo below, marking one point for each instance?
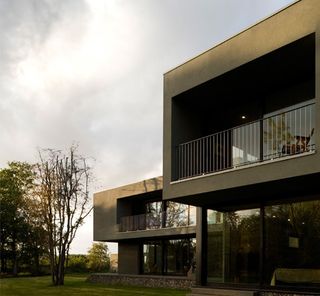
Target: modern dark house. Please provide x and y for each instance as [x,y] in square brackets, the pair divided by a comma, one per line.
[241,143]
[154,237]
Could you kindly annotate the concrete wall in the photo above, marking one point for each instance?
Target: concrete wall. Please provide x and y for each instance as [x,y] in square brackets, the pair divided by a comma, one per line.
[124,201]
[129,258]
[106,207]
[293,23]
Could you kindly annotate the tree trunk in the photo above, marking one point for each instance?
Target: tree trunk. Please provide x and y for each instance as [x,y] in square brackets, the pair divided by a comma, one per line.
[37,263]
[2,270]
[14,258]
[60,275]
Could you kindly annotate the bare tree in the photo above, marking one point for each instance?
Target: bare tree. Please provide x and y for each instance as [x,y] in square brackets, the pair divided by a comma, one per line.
[64,201]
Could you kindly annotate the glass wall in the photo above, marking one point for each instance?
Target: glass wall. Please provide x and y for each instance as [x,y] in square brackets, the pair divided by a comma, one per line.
[168,214]
[153,215]
[290,245]
[180,256]
[289,131]
[174,257]
[292,248]
[233,246]
[152,257]
[178,214]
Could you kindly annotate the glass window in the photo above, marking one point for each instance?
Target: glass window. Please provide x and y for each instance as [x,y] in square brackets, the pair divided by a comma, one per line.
[152,258]
[177,214]
[293,244]
[289,130]
[180,255]
[192,215]
[175,257]
[154,215]
[233,246]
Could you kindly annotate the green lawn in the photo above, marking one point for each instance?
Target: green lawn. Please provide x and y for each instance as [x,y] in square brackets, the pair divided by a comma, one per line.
[74,286]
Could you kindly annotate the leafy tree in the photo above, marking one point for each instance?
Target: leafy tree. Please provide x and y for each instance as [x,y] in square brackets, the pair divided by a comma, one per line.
[77,263]
[98,258]
[16,183]
[63,198]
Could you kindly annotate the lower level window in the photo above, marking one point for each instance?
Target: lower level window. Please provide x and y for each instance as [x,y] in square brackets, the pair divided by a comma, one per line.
[292,248]
[175,257]
[233,246]
[290,245]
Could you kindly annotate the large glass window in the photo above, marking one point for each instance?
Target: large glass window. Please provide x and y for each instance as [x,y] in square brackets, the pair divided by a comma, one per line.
[289,130]
[293,244]
[154,215]
[233,246]
[180,256]
[290,245]
[175,256]
[180,215]
[152,257]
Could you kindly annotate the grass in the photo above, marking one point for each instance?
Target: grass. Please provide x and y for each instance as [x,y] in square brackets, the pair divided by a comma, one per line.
[75,285]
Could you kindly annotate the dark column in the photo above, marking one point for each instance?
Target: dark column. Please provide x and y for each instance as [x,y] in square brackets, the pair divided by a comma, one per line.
[128,258]
[262,245]
[201,247]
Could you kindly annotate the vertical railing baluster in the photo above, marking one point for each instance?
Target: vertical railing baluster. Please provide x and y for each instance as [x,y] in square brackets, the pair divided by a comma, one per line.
[207,154]
[300,134]
[295,129]
[188,160]
[305,129]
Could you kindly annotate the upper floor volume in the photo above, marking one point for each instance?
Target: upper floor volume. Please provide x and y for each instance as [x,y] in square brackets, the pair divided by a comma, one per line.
[259,111]
[236,111]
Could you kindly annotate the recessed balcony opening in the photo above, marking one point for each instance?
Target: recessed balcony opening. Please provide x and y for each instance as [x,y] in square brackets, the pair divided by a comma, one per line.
[259,111]
[150,214]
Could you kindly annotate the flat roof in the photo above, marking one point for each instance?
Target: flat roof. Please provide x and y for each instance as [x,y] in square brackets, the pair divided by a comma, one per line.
[144,186]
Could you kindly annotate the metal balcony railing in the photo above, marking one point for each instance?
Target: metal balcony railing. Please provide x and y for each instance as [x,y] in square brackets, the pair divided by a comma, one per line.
[141,222]
[280,135]
[156,221]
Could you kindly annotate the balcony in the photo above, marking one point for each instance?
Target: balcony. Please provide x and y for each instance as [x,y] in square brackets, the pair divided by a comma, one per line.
[177,215]
[272,137]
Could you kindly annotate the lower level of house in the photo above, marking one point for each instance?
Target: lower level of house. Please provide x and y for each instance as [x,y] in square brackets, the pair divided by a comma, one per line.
[158,256]
[267,245]
[273,245]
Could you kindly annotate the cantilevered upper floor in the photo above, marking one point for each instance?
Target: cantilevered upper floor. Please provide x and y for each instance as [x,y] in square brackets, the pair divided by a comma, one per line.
[247,111]
[136,211]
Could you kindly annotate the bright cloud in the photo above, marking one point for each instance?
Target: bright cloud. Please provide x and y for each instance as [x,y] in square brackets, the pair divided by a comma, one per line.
[91,72]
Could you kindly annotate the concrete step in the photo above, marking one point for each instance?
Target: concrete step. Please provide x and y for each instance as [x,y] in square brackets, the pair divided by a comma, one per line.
[219,292]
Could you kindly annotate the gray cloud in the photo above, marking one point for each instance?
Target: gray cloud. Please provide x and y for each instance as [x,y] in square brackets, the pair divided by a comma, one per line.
[91,72]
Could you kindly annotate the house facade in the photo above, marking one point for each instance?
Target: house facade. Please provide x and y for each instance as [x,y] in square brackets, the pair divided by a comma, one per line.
[241,150]
[154,237]
[241,142]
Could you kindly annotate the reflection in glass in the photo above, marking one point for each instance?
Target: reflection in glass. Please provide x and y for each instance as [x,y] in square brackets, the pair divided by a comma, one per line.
[293,244]
[175,257]
[152,258]
[153,216]
[180,215]
[290,132]
[233,246]
[192,215]
[246,144]
[180,256]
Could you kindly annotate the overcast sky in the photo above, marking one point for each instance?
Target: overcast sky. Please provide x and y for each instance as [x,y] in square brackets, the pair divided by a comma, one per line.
[90,72]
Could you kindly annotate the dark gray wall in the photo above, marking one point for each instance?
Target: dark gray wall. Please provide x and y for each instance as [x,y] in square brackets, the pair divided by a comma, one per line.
[281,29]
[110,205]
[128,258]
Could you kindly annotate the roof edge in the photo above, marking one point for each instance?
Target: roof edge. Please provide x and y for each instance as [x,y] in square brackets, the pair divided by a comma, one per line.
[234,36]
